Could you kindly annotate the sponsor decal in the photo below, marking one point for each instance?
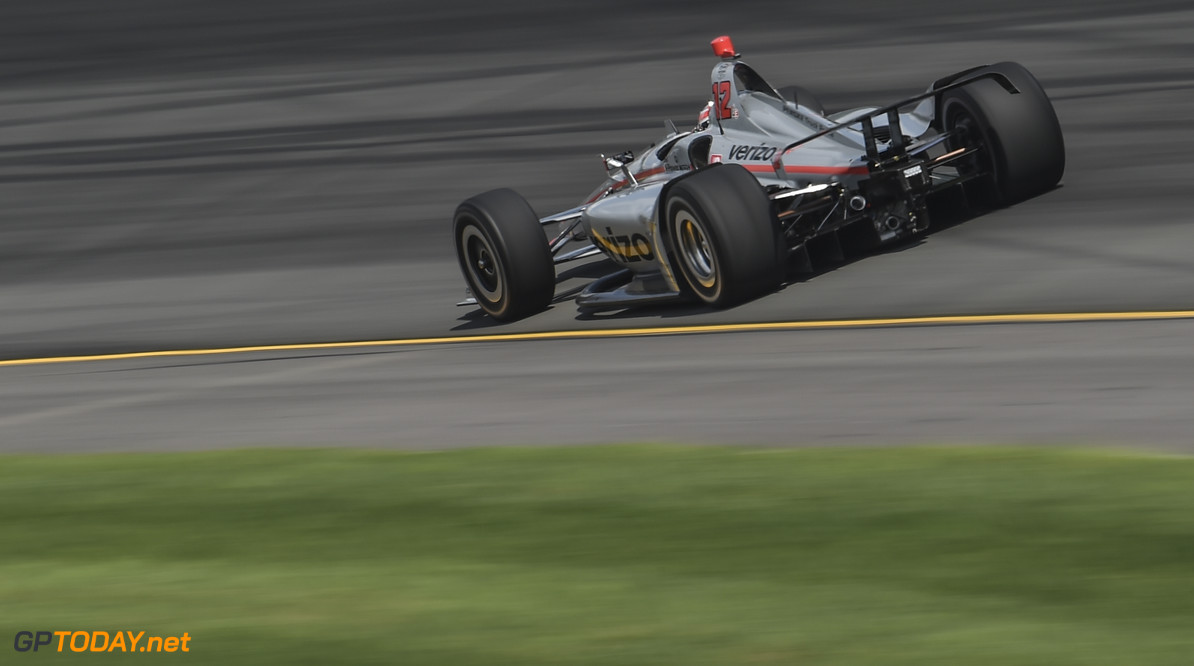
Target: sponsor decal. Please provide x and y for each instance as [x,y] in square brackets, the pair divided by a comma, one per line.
[810,121]
[99,641]
[635,247]
[752,153]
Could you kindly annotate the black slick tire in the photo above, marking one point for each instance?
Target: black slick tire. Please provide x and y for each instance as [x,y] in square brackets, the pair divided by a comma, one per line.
[1019,135]
[722,236]
[504,255]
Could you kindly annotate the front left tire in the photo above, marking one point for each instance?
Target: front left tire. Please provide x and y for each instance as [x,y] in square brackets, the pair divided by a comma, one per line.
[722,236]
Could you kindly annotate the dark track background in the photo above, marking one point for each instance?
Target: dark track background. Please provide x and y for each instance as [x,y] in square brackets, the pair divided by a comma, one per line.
[199,174]
[214,173]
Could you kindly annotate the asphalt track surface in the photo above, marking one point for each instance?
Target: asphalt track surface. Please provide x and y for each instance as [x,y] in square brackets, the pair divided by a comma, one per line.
[221,174]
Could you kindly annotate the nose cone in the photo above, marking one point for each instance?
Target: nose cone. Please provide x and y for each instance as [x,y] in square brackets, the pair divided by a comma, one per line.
[723,47]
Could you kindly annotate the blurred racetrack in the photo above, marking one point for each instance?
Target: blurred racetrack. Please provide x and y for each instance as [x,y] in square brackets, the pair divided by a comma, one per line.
[216,173]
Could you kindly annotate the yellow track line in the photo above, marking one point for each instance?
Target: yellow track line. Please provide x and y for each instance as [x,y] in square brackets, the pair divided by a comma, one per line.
[632,332]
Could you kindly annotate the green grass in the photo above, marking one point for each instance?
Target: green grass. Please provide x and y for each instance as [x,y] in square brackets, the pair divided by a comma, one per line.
[608,555]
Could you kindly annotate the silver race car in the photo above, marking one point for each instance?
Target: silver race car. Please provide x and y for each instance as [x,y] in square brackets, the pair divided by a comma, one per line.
[719,213]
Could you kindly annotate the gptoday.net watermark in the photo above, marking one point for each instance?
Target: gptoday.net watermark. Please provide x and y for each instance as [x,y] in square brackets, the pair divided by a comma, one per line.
[99,641]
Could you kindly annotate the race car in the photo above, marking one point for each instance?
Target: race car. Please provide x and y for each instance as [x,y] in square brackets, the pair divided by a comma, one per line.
[721,212]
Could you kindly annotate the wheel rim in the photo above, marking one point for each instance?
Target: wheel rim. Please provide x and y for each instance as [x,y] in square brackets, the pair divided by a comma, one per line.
[695,250]
[965,124]
[481,262]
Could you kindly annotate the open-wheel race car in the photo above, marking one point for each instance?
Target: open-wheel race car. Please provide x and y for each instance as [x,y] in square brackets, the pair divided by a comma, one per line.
[720,212]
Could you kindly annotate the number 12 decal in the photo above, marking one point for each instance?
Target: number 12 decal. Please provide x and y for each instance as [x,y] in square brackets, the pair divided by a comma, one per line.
[721,100]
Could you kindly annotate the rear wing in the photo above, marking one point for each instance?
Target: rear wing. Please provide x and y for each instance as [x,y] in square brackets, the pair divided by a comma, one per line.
[898,147]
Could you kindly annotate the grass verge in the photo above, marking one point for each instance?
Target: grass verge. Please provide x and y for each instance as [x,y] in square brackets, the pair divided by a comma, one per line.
[607,555]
